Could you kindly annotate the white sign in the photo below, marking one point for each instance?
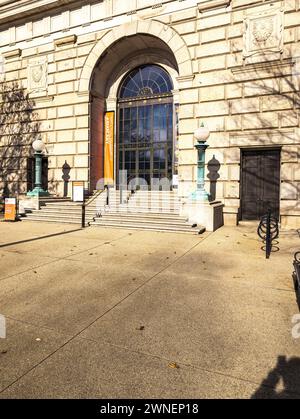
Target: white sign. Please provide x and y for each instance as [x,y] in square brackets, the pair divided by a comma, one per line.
[175,180]
[78,191]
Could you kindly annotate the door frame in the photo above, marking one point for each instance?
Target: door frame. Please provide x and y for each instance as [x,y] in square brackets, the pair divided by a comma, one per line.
[258,149]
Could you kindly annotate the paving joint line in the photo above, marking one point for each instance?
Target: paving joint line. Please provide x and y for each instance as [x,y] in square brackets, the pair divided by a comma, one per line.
[98,318]
[57,259]
[183,363]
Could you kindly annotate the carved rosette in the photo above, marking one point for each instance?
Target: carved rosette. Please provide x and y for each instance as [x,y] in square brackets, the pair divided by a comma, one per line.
[263,32]
[38,75]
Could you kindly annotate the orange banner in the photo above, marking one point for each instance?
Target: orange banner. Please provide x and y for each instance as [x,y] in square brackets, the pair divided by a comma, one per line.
[10,209]
[109,127]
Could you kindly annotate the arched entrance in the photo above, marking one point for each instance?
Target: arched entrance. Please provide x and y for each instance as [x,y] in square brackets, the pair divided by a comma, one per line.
[121,52]
[145,125]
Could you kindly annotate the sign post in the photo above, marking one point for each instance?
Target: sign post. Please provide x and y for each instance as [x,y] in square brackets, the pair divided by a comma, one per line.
[10,213]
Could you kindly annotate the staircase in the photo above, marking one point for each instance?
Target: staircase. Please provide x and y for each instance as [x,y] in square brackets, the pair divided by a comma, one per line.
[58,210]
[143,210]
[157,211]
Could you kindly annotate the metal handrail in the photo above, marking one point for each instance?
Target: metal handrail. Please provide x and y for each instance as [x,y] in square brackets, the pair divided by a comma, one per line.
[87,204]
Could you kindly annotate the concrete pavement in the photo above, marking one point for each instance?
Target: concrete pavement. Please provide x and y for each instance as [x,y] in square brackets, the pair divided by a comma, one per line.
[102,313]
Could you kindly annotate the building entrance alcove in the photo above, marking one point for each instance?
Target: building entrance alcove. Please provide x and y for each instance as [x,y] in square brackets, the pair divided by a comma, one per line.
[135,81]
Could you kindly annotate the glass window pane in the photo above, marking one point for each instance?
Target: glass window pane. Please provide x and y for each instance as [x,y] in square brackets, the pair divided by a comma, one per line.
[145,81]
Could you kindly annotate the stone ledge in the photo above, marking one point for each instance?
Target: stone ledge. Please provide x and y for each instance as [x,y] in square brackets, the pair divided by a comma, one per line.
[66,40]
[212,4]
[12,54]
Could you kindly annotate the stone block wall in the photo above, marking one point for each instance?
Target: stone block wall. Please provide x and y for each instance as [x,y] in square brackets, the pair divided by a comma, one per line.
[246,98]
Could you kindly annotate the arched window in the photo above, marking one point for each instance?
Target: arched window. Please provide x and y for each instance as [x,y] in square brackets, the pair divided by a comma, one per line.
[146,124]
[146,81]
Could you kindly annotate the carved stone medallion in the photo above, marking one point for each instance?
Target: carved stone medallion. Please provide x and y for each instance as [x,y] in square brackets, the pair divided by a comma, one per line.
[263,32]
[38,75]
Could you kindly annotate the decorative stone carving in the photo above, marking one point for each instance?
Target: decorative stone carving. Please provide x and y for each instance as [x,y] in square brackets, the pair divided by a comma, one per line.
[263,32]
[38,75]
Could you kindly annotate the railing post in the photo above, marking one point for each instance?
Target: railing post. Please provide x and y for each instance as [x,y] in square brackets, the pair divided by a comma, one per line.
[83,216]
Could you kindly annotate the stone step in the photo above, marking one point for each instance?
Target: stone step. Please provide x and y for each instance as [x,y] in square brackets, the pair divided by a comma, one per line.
[136,220]
[51,220]
[42,216]
[70,212]
[138,210]
[133,215]
[62,205]
[154,201]
[154,227]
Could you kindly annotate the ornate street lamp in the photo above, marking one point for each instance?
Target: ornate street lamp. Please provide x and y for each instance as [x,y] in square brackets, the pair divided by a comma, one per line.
[202,134]
[38,147]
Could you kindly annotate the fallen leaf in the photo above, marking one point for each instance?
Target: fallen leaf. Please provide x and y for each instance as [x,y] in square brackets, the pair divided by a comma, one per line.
[173,365]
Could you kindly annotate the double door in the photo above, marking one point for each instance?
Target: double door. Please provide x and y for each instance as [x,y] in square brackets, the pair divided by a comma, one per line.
[260,183]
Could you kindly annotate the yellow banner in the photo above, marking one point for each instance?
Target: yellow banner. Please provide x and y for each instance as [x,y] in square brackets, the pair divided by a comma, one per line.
[109,125]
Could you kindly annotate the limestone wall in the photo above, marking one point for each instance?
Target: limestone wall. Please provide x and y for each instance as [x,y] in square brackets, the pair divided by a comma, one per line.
[245,97]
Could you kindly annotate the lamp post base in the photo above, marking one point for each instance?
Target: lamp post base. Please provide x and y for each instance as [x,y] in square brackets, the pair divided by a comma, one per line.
[200,196]
[37,192]
[206,214]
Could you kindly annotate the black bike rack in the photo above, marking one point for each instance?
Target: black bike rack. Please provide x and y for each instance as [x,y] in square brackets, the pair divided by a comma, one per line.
[268,231]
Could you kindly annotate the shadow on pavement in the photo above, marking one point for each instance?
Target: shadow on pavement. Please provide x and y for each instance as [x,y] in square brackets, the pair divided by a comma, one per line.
[39,238]
[287,375]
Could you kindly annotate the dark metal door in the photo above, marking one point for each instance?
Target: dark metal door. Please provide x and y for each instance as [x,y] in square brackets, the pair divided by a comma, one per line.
[260,183]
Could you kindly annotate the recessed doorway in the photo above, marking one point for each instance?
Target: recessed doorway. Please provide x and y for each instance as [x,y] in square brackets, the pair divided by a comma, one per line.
[260,183]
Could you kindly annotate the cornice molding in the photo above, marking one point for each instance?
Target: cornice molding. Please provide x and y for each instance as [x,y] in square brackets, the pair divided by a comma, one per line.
[13,10]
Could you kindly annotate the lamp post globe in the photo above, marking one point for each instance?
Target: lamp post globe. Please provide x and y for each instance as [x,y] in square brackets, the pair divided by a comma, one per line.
[202,134]
[38,146]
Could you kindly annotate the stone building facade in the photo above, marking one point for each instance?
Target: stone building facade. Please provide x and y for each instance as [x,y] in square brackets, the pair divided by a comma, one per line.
[233,64]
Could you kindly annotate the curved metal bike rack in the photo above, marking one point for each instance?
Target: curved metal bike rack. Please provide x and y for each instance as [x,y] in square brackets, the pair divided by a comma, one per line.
[268,231]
